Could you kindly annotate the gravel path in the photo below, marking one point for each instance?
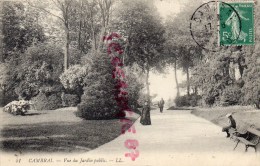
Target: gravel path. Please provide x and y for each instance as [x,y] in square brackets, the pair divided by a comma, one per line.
[178,138]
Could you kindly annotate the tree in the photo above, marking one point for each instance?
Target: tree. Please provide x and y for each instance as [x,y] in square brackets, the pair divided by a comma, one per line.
[98,100]
[180,49]
[65,7]
[139,22]
[3,83]
[1,32]
[20,29]
[73,79]
[38,70]
[172,53]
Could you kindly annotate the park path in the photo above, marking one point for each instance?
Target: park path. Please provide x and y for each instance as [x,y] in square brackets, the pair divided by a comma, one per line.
[176,138]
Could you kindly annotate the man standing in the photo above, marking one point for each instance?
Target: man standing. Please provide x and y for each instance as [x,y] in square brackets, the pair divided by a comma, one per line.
[161,104]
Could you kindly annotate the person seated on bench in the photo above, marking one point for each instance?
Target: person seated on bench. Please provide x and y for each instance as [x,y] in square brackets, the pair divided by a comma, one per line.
[232,124]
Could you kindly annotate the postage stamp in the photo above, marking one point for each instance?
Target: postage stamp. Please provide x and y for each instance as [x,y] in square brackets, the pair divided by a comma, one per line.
[236,23]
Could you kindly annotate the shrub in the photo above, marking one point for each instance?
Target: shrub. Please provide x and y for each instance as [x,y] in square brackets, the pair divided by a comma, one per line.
[194,100]
[134,91]
[70,100]
[251,89]
[47,102]
[98,100]
[17,107]
[182,101]
[231,95]
[186,101]
[38,67]
[73,79]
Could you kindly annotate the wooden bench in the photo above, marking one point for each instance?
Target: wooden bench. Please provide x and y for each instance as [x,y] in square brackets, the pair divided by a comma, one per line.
[241,130]
[251,138]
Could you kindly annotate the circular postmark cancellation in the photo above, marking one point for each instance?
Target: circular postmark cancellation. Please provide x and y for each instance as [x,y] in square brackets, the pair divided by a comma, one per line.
[209,20]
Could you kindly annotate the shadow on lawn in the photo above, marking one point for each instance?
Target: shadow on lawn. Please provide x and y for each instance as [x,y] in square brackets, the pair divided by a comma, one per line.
[33,114]
[59,136]
[180,108]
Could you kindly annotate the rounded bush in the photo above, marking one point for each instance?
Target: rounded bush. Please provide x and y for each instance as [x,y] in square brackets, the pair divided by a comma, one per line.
[44,102]
[231,96]
[99,98]
[92,112]
[186,101]
[70,100]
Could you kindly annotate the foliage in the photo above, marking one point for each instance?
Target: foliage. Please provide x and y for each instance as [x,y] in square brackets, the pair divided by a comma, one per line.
[70,100]
[17,107]
[20,28]
[140,23]
[187,100]
[134,90]
[39,70]
[180,49]
[231,95]
[20,31]
[251,89]
[98,100]
[73,78]
[47,102]
[182,101]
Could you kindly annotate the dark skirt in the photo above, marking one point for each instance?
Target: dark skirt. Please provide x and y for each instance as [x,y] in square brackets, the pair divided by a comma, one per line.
[145,117]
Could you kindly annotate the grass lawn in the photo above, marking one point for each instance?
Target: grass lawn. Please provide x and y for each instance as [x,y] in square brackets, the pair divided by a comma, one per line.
[55,131]
[244,115]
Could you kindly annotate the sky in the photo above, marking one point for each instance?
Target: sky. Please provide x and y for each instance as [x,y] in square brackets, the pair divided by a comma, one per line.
[164,84]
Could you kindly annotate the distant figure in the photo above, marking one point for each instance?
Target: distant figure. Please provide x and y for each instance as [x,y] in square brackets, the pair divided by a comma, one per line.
[161,104]
[145,116]
[232,124]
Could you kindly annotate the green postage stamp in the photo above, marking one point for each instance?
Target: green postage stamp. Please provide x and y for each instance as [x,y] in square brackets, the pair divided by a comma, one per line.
[236,23]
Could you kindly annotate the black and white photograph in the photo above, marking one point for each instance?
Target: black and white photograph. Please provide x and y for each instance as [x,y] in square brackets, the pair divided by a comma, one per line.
[129,82]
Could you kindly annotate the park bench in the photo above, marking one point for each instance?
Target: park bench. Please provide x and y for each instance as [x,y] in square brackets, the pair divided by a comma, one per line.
[241,131]
[251,138]
[234,132]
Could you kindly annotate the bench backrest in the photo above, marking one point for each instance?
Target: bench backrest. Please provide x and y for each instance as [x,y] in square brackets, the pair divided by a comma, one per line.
[254,135]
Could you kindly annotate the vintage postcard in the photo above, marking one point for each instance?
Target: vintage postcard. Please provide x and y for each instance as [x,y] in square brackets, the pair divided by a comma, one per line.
[129,83]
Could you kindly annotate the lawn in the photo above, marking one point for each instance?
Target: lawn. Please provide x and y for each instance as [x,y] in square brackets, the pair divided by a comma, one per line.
[244,115]
[55,131]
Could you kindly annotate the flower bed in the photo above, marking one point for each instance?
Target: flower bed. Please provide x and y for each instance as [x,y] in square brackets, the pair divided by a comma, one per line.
[18,107]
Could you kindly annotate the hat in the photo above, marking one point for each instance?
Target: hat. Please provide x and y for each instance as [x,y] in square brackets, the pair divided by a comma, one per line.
[228,115]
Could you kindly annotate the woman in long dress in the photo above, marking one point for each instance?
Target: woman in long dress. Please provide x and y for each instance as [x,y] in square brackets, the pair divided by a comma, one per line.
[145,116]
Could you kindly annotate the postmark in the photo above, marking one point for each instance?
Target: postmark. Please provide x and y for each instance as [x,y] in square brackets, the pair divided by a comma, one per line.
[215,24]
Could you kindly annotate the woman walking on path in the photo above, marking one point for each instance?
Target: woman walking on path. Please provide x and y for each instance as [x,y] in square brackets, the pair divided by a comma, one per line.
[145,116]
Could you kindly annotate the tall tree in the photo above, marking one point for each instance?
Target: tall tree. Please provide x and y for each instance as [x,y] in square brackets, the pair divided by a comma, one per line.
[1,32]
[20,28]
[140,23]
[65,8]
[182,51]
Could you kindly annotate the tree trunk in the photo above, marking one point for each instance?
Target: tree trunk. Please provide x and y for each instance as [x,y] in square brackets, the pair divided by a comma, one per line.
[176,78]
[188,81]
[241,66]
[1,33]
[80,27]
[196,90]
[93,30]
[3,97]
[147,85]
[66,54]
